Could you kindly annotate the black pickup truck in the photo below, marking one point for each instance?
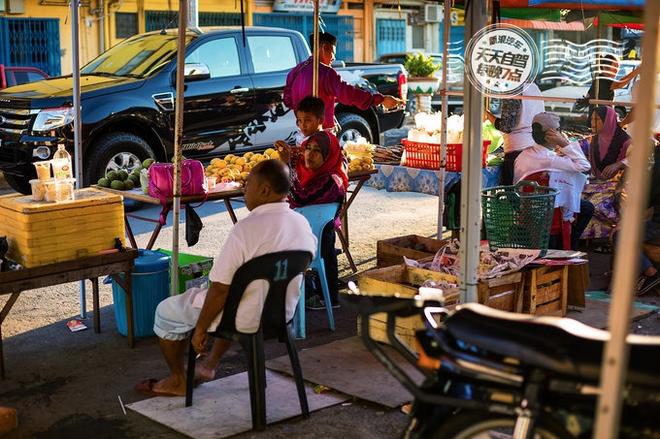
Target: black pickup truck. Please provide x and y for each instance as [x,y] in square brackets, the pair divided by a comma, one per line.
[233,102]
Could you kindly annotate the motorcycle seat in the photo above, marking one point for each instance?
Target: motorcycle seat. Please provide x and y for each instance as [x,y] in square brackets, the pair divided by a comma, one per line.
[560,345]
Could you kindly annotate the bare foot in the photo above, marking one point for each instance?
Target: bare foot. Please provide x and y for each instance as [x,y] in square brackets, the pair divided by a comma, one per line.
[171,385]
[203,373]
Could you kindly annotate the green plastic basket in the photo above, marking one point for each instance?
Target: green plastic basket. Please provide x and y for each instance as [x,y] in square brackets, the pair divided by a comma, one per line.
[518,216]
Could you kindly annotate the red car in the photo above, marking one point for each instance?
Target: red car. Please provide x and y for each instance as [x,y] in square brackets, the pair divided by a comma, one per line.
[10,76]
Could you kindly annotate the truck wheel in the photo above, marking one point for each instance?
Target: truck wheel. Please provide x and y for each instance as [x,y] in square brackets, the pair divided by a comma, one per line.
[115,151]
[19,184]
[352,127]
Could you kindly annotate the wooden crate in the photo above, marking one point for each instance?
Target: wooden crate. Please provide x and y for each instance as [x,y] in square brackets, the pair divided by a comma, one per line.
[391,251]
[504,293]
[545,290]
[402,281]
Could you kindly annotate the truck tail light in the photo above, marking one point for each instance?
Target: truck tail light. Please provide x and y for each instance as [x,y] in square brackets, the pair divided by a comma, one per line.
[403,86]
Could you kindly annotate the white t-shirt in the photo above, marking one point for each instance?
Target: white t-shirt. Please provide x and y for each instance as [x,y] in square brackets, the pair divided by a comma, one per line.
[269,228]
[539,158]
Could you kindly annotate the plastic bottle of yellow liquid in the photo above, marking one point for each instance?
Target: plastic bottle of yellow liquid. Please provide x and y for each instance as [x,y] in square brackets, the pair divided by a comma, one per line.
[62,167]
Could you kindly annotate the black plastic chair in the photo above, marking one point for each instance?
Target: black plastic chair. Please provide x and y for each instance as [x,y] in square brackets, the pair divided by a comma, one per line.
[278,269]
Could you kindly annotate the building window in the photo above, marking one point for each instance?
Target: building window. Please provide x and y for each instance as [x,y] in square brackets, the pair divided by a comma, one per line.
[417,36]
[126,24]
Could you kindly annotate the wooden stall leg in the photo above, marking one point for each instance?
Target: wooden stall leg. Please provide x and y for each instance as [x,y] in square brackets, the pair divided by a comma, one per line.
[347,252]
[230,211]
[129,233]
[95,301]
[3,315]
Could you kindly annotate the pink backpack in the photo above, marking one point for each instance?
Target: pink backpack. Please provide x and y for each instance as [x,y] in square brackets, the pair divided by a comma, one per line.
[161,180]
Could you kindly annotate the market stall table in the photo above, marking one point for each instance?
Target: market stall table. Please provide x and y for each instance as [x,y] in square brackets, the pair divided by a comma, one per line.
[138,195]
[13,283]
[359,178]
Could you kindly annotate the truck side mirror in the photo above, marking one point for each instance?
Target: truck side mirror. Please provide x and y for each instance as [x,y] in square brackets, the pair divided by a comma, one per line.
[196,72]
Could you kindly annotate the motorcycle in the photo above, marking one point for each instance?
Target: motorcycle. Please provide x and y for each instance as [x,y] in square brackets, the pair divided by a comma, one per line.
[494,374]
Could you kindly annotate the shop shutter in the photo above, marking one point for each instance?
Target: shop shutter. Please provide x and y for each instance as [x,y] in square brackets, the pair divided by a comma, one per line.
[157,20]
[340,26]
[32,42]
[390,36]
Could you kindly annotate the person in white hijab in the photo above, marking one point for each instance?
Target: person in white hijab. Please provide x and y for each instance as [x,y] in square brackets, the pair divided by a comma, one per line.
[515,123]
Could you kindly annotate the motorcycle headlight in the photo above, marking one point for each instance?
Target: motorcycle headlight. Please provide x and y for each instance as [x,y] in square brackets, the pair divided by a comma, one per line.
[51,118]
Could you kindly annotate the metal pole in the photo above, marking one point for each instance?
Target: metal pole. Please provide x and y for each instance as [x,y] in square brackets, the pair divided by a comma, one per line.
[178,135]
[193,14]
[77,152]
[315,51]
[444,109]
[629,244]
[475,18]
[101,4]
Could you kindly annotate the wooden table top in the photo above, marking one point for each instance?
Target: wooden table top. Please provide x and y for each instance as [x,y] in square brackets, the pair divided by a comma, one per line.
[67,266]
[138,195]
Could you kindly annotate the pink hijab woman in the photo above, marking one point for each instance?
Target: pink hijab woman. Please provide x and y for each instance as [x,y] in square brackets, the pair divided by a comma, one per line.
[606,152]
[609,146]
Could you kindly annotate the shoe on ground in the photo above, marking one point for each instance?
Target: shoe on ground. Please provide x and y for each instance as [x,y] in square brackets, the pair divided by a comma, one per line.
[647,283]
[314,303]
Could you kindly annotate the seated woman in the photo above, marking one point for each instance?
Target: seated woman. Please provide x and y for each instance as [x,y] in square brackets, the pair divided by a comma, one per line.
[606,152]
[565,168]
[319,178]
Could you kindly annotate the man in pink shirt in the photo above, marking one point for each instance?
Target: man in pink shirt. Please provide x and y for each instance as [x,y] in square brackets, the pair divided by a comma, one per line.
[331,87]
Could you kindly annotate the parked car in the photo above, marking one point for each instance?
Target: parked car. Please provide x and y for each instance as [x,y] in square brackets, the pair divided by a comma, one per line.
[455,70]
[233,102]
[566,109]
[16,75]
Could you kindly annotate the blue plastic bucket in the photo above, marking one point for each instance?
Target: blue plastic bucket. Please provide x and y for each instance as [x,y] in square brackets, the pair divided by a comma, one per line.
[150,285]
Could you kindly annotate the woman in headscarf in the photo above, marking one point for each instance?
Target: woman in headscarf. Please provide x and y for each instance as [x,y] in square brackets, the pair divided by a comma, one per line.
[320,177]
[606,151]
[320,174]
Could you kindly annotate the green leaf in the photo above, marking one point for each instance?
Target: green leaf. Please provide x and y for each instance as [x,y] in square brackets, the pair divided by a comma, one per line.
[420,66]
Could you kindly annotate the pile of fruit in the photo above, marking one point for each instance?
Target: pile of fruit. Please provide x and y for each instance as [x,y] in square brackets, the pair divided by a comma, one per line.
[360,155]
[123,181]
[358,164]
[237,168]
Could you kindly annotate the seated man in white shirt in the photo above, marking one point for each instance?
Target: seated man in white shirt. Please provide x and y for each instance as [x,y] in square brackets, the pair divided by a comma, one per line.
[270,227]
[554,153]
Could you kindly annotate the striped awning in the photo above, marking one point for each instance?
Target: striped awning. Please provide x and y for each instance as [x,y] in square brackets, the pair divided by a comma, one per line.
[545,25]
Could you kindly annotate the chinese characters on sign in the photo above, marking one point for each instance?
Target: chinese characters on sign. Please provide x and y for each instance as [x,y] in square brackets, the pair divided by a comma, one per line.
[502,60]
